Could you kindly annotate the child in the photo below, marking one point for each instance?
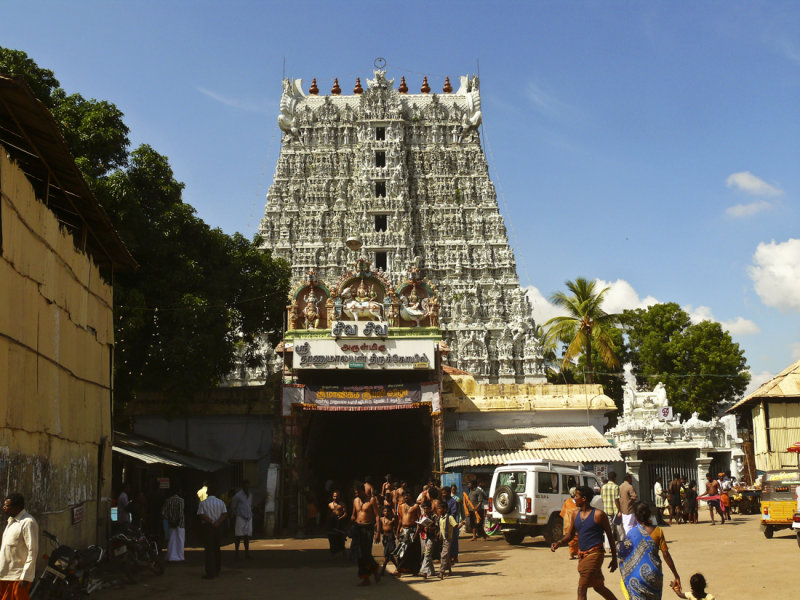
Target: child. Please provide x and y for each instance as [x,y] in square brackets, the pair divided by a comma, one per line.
[428,535]
[448,530]
[698,585]
[388,527]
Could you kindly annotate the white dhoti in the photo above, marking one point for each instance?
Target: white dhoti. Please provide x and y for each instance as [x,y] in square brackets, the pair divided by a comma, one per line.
[175,543]
[628,522]
[243,527]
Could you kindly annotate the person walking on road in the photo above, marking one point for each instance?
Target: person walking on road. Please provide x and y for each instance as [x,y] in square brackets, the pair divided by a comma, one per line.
[173,512]
[242,508]
[589,524]
[19,549]
[640,565]
[476,498]
[212,512]
[627,503]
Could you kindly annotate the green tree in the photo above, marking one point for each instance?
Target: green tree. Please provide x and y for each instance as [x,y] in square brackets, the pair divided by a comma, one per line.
[611,378]
[586,325]
[699,364]
[199,294]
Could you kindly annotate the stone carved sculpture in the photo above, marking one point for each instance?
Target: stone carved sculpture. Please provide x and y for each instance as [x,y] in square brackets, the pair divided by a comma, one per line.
[442,206]
[360,302]
[290,100]
[472,117]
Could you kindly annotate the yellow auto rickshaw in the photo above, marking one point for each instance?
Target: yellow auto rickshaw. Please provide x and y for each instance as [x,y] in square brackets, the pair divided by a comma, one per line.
[780,505]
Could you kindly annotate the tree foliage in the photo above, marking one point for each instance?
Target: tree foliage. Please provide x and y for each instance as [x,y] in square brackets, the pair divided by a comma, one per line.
[586,326]
[699,364]
[199,294]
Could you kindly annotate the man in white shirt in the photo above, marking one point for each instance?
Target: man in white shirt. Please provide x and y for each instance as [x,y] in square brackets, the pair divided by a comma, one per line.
[19,549]
[212,512]
[242,508]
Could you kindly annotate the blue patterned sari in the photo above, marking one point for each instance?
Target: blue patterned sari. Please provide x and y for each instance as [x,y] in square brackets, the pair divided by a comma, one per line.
[640,566]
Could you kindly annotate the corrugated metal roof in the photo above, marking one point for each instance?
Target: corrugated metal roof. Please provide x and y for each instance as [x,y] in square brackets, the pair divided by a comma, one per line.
[479,458]
[151,453]
[785,384]
[527,438]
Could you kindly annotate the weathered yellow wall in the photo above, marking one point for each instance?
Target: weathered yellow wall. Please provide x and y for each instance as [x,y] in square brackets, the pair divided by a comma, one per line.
[464,394]
[56,337]
[784,430]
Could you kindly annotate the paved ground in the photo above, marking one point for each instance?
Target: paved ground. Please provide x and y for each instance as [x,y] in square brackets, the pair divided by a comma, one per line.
[736,559]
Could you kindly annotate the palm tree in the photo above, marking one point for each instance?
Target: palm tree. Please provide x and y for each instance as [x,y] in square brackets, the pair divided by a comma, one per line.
[585,323]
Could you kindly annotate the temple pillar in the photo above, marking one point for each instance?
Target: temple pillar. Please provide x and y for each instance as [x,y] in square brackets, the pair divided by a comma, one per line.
[703,465]
[632,466]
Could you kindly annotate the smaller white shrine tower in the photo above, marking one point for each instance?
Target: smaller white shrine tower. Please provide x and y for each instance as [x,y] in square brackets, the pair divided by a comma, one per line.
[655,442]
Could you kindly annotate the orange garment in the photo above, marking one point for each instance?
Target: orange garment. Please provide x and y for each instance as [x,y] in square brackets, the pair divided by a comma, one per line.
[15,590]
[725,499]
[568,510]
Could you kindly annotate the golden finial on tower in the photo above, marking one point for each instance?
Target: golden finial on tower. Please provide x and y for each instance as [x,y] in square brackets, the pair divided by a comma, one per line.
[358,89]
[403,89]
[425,89]
[447,89]
[313,89]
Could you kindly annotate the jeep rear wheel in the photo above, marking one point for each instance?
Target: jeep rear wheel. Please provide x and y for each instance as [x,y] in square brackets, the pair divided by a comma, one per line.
[554,530]
[505,500]
[514,537]
[768,531]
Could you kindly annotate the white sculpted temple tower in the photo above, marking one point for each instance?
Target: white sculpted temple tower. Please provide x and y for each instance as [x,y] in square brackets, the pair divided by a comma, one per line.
[401,179]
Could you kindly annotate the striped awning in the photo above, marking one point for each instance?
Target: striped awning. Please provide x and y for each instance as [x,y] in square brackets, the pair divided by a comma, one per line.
[480,458]
[489,447]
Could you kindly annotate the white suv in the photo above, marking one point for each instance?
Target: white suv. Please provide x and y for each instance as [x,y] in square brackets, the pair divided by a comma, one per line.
[526,497]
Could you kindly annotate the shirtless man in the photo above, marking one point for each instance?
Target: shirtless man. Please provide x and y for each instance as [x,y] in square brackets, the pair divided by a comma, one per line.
[397,495]
[337,521]
[388,530]
[386,487]
[712,489]
[367,521]
[368,489]
[409,551]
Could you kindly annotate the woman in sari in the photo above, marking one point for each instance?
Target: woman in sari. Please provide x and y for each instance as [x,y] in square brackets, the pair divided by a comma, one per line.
[640,565]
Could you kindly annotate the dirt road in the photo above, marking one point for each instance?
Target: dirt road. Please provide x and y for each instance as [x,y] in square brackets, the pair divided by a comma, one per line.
[736,559]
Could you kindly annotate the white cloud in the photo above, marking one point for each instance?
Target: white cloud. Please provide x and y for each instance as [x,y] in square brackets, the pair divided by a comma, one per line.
[232,102]
[748,210]
[756,380]
[619,297]
[751,184]
[737,326]
[776,274]
[543,311]
[622,296]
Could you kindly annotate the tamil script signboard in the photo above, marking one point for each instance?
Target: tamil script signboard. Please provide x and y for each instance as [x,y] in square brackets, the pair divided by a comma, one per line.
[361,398]
[380,354]
[367,397]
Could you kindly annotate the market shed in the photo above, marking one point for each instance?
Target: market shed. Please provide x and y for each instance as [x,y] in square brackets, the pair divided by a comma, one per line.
[772,412]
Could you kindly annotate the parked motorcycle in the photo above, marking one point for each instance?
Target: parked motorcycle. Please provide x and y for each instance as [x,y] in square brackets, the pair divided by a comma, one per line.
[69,573]
[131,549]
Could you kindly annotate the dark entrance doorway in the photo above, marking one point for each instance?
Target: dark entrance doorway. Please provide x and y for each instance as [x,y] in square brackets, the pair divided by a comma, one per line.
[343,447]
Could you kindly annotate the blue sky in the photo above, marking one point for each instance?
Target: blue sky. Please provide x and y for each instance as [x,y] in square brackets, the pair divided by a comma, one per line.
[651,145]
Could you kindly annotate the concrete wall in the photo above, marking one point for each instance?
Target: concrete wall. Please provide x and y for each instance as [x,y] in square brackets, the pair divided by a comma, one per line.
[513,419]
[220,437]
[56,338]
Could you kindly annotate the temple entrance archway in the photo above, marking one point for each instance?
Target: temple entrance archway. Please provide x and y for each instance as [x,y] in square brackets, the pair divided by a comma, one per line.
[343,447]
